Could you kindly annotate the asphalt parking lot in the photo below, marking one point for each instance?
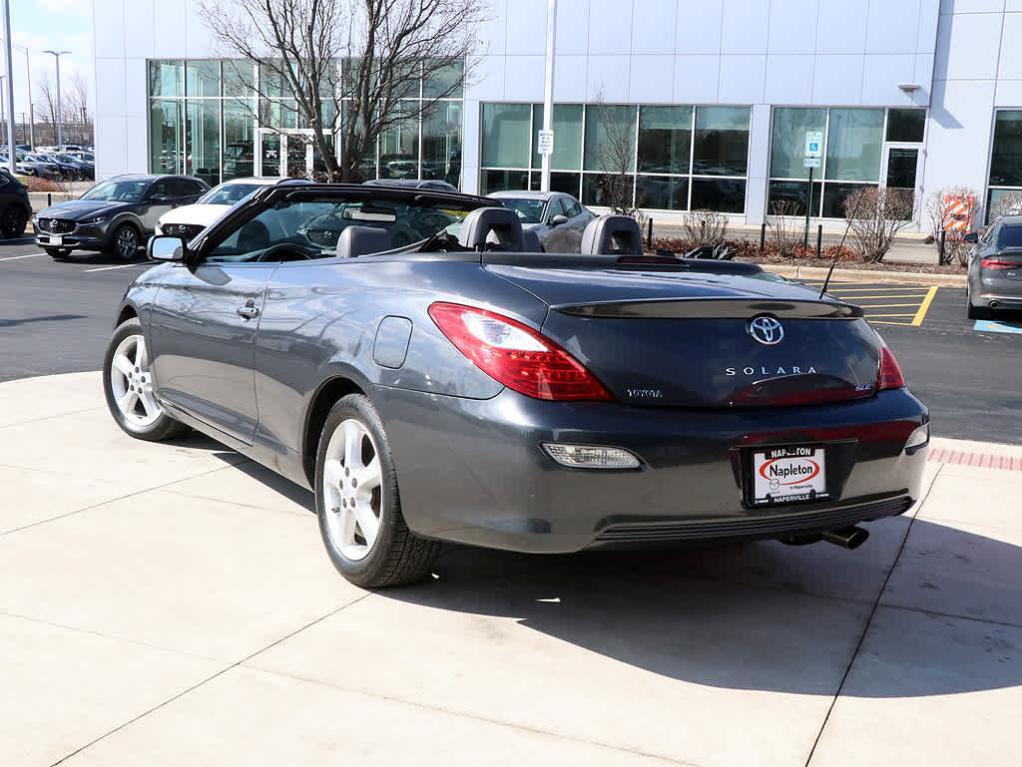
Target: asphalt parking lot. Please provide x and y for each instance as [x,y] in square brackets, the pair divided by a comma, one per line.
[968,374]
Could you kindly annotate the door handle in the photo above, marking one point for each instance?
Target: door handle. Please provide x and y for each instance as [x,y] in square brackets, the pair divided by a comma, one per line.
[248,312]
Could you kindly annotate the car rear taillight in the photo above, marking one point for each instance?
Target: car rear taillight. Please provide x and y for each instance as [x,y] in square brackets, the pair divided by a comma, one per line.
[516,355]
[998,263]
[890,376]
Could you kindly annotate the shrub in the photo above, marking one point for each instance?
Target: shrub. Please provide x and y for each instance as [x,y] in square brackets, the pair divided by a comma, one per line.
[705,227]
[937,204]
[787,228]
[875,216]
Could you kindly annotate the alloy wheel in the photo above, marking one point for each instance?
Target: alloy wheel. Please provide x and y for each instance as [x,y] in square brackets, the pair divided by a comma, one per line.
[131,383]
[127,243]
[352,490]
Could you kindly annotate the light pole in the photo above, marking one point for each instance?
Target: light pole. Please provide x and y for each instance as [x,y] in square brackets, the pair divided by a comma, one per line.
[547,148]
[28,90]
[3,119]
[12,157]
[60,115]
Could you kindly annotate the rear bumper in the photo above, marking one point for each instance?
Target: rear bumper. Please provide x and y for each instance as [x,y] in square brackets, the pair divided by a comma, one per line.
[472,471]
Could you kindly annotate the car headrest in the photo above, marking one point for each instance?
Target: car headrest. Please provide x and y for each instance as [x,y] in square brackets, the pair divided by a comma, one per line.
[612,235]
[531,242]
[358,241]
[254,236]
[492,229]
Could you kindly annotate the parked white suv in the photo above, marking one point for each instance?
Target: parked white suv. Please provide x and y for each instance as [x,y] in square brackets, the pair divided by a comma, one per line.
[188,220]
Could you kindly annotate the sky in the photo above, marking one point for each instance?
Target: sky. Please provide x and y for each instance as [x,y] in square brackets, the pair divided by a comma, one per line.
[55,25]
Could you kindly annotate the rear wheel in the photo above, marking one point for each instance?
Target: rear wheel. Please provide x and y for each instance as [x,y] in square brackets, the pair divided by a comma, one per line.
[12,222]
[129,389]
[358,504]
[125,242]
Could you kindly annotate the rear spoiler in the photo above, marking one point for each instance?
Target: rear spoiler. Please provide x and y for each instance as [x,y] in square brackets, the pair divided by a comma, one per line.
[628,263]
[712,308]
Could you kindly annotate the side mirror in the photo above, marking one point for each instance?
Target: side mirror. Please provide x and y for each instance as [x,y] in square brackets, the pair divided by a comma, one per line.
[167,248]
[971,237]
[558,220]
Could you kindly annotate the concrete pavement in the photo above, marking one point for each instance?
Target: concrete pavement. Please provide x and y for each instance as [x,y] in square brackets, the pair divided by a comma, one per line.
[172,605]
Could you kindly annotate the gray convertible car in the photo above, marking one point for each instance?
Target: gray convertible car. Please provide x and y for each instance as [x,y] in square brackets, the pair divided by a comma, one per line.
[459,389]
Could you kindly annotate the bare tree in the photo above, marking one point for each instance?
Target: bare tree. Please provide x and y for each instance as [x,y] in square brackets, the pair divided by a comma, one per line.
[76,108]
[705,227]
[786,232]
[875,216]
[352,66]
[48,99]
[614,146]
[938,208]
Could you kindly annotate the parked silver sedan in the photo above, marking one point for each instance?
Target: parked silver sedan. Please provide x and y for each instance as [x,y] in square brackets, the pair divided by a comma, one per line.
[546,212]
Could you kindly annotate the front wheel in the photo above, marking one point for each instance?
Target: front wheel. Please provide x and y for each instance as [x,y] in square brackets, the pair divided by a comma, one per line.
[125,242]
[12,222]
[128,385]
[358,504]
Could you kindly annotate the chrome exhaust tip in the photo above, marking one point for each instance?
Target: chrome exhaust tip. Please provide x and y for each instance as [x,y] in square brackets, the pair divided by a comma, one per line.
[993,304]
[848,538]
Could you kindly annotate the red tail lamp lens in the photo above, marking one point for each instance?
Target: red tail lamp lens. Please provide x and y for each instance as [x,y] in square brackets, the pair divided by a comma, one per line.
[999,263]
[516,355]
[890,376]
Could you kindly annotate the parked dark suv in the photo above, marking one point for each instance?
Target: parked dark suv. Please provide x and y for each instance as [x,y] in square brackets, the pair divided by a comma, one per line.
[15,209]
[116,216]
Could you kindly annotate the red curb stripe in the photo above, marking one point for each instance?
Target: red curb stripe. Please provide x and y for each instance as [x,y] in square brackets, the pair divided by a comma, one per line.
[977,460]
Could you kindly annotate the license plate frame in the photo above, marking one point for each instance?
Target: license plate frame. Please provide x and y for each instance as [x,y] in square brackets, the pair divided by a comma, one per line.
[799,475]
[56,239]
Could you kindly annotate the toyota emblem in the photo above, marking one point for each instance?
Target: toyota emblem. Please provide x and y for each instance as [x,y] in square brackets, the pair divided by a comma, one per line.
[766,330]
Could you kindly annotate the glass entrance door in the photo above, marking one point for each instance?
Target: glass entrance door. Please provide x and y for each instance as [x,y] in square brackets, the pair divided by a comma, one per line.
[901,169]
[289,154]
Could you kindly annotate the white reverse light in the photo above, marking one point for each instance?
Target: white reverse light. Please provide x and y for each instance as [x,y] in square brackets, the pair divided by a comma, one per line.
[501,335]
[591,456]
[918,438]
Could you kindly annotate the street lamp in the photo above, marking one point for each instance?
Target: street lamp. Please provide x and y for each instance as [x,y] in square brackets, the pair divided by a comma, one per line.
[60,115]
[547,143]
[12,156]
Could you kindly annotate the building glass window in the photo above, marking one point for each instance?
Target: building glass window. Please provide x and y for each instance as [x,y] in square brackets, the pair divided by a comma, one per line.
[721,144]
[166,139]
[441,142]
[166,79]
[202,139]
[906,125]
[214,118]
[239,139]
[1005,164]
[854,144]
[854,147]
[665,140]
[568,138]
[655,145]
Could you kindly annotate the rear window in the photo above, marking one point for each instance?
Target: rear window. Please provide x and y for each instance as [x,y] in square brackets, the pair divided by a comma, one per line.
[1010,237]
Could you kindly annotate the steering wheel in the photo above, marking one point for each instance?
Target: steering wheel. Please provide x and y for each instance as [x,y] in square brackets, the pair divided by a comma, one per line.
[288,251]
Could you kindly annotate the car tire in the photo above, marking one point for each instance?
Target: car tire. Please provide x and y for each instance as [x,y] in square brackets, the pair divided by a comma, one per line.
[12,222]
[355,477]
[125,242]
[129,389]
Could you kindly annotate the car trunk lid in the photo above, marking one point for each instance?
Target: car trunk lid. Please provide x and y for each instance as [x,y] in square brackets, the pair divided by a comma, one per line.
[680,339]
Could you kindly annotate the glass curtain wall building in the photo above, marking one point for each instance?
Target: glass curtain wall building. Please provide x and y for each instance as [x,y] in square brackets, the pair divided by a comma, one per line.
[223,119]
[675,158]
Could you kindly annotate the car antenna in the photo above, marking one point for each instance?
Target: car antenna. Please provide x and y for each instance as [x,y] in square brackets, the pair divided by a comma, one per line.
[841,245]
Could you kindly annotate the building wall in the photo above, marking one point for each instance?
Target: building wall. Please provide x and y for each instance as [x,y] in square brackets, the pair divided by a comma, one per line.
[745,52]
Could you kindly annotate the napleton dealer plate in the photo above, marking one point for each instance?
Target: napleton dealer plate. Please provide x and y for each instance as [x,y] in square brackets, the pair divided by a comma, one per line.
[789,474]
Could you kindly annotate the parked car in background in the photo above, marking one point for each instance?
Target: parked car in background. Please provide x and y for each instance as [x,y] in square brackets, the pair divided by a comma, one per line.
[544,212]
[68,168]
[413,183]
[188,220]
[995,269]
[115,216]
[36,166]
[86,169]
[15,208]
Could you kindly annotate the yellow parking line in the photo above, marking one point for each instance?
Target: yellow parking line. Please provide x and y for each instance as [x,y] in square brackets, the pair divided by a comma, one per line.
[921,314]
[887,306]
[869,298]
[869,288]
[889,315]
[888,322]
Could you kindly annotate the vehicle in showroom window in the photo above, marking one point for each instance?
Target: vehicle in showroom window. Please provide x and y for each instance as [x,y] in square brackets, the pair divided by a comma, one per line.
[994,283]
[188,220]
[115,216]
[460,389]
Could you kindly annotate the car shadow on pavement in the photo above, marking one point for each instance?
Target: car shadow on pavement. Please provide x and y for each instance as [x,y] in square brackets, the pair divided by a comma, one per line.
[751,616]
[46,318]
[94,258]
